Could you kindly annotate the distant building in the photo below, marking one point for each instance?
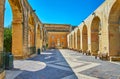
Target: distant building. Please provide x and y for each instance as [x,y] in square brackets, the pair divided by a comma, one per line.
[57,35]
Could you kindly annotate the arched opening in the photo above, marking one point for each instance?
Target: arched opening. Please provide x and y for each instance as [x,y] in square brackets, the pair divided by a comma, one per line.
[114,29]
[69,41]
[74,41]
[7,27]
[17,28]
[38,38]
[95,35]
[31,35]
[42,36]
[84,39]
[2,63]
[45,42]
[20,28]
[78,40]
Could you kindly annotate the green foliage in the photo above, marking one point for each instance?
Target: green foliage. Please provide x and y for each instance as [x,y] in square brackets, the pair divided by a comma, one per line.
[8,39]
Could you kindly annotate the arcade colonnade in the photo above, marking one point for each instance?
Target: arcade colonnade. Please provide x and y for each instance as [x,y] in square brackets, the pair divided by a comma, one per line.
[28,33]
[27,28]
[99,34]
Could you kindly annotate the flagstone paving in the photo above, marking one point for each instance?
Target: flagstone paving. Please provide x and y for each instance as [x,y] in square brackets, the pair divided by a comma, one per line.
[63,64]
[49,65]
[87,67]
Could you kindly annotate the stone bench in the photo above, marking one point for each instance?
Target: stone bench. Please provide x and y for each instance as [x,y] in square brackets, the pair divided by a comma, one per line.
[80,51]
[103,56]
[88,52]
[115,58]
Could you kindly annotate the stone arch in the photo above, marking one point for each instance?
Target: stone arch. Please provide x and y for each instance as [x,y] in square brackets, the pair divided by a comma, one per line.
[2,63]
[42,32]
[114,29]
[78,40]
[84,39]
[32,30]
[70,41]
[17,28]
[31,34]
[2,24]
[31,20]
[95,27]
[38,38]
[41,36]
[30,38]
[74,40]
[44,44]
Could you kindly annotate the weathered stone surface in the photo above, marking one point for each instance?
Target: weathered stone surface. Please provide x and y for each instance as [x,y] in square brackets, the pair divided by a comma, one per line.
[57,35]
[26,29]
[103,32]
[2,8]
[2,75]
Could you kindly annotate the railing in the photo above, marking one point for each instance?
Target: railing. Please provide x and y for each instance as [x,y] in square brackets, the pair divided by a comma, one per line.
[2,61]
[32,50]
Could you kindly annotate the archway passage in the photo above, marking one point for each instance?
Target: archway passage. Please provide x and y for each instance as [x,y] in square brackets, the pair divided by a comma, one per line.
[78,40]
[17,28]
[69,41]
[38,38]
[74,40]
[95,35]
[114,29]
[31,35]
[84,39]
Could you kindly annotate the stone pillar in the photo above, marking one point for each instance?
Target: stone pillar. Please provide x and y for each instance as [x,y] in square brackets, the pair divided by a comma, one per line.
[17,39]
[38,38]
[35,33]
[25,29]
[2,9]
[17,29]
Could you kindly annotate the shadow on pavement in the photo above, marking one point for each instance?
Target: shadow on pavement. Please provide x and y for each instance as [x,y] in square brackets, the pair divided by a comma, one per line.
[56,67]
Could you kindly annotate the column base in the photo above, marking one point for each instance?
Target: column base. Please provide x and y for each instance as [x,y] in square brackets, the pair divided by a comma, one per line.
[94,54]
[2,75]
[24,57]
[18,57]
[114,58]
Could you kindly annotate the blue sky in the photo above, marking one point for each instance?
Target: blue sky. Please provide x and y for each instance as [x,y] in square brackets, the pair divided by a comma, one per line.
[59,11]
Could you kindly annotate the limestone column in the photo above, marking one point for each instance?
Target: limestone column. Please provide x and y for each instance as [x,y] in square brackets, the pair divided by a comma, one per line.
[25,29]
[2,8]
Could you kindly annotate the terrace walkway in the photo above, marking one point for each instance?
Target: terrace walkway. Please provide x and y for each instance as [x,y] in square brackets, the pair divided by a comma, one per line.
[49,65]
[64,64]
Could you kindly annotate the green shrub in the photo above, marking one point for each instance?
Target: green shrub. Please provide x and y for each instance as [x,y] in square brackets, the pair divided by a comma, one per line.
[8,39]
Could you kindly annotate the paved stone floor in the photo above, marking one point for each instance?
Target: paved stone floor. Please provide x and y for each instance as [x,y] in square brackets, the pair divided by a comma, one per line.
[87,67]
[63,64]
[49,65]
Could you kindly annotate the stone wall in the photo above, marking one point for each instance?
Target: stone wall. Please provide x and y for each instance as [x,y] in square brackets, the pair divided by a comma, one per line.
[102,30]
[27,36]
[2,9]
[57,39]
